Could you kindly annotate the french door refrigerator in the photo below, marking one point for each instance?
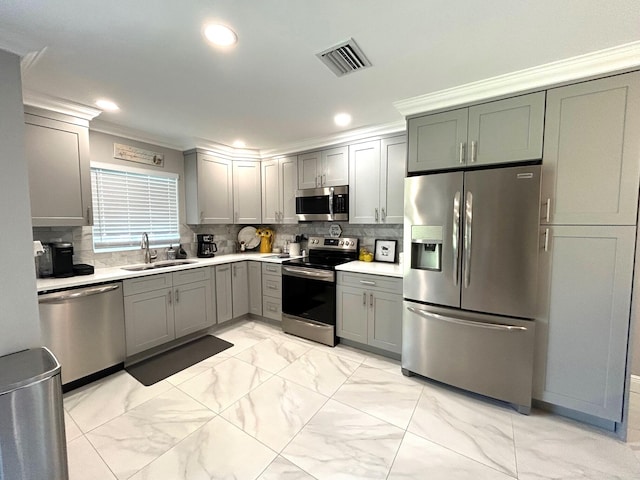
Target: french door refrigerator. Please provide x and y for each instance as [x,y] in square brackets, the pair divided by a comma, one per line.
[470,277]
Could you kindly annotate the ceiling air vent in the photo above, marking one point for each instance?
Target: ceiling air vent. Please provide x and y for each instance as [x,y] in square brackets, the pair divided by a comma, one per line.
[344,58]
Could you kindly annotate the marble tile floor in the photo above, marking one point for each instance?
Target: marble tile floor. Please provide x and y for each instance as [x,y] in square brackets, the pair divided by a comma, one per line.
[278,407]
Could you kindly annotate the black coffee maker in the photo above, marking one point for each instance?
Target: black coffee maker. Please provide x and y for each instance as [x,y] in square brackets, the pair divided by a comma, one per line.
[206,247]
[62,259]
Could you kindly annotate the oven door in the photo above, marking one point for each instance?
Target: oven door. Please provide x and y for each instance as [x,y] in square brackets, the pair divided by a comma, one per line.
[309,293]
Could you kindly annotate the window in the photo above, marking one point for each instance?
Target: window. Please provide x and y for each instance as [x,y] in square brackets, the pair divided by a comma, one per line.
[128,202]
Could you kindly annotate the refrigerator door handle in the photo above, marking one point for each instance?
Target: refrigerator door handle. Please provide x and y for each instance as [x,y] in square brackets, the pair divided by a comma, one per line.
[467,323]
[468,224]
[455,238]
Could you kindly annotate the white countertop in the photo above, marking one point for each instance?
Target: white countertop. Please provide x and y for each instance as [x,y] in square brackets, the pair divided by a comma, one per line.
[373,268]
[109,274]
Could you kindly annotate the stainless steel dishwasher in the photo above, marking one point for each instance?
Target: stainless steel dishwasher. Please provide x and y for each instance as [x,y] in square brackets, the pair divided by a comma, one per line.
[84,328]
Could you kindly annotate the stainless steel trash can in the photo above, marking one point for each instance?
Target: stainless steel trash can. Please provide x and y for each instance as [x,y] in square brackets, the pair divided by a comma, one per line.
[32,437]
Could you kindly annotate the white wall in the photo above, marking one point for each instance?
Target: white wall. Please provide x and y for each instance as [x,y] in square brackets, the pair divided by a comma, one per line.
[19,323]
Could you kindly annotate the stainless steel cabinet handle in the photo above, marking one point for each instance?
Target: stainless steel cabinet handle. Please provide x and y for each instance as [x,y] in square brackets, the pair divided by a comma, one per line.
[474,151]
[455,238]
[272,287]
[201,216]
[467,323]
[371,299]
[468,223]
[376,214]
[461,154]
[85,292]
[317,180]
[548,216]
[223,269]
[89,216]
[546,239]
[367,282]
[384,215]
[169,295]
[364,298]
[177,295]
[236,216]
[235,271]
[324,180]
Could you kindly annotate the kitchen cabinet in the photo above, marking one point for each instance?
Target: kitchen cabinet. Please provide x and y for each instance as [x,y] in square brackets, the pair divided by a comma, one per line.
[224,295]
[57,155]
[279,185]
[255,288]
[326,168]
[240,289]
[377,171]
[208,188]
[585,276]
[590,166]
[160,308]
[369,310]
[272,291]
[246,192]
[503,131]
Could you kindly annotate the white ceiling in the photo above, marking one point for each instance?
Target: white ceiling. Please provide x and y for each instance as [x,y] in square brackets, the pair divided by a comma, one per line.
[149,56]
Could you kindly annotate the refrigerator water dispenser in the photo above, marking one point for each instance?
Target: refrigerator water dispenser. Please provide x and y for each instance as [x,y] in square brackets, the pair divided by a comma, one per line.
[426,247]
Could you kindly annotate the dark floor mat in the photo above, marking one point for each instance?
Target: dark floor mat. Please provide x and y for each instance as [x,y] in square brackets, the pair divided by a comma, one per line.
[164,365]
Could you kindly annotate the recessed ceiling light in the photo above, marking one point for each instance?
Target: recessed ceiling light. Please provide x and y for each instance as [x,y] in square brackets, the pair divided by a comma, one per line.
[239,144]
[342,119]
[220,35]
[107,105]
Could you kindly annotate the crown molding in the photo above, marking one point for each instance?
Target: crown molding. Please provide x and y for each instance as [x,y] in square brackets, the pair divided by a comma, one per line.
[610,60]
[59,105]
[17,43]
[342,137]
[227,151]
[109,128]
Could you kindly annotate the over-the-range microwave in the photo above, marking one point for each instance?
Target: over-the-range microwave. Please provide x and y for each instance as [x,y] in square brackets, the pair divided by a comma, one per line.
[323,204]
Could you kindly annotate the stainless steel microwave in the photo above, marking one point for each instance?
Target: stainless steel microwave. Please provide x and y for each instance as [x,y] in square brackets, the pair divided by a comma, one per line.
[323,204]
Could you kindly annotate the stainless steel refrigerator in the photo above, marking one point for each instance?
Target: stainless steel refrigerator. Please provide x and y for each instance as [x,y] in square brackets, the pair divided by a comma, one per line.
[470,277]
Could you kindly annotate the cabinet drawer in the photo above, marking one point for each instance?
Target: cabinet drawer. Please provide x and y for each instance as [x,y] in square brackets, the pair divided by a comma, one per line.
[272,286]
[271,269]
[272,308]
[371,282]
[146,284]
[190,276]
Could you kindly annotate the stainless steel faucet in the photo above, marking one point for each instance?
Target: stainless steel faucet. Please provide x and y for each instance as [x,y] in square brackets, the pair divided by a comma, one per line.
[148,256]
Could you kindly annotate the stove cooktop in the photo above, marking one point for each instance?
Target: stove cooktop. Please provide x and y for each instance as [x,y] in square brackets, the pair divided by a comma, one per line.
[326,253]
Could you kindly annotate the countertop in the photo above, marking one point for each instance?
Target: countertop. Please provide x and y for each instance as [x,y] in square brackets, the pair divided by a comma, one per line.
[372,268]
[102,275]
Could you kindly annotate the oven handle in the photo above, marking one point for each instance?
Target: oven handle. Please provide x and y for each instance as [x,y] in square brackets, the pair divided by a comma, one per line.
[331,203]
[322,275]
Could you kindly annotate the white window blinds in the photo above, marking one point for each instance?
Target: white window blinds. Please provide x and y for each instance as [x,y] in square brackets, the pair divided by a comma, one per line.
[127,203]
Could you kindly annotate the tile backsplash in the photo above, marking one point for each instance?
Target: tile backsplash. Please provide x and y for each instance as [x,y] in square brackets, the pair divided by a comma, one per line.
[225,237]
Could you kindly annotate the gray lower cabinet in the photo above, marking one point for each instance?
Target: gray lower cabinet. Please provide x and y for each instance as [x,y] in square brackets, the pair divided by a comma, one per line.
[369,310]
[160,308]
[272,291]
[224,295]
[255,288]
[503,131]
[240,289]
[585,294]
[57,154]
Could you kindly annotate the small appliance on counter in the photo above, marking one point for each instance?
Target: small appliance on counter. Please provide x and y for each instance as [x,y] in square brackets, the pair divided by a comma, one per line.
[43,262]
[62,259]
[83,269]
[206,247]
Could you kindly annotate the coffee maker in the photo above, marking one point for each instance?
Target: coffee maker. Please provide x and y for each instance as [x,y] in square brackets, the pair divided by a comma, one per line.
[62,259]
[206,247]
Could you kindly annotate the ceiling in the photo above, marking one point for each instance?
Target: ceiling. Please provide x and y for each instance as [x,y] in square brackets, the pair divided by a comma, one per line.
[271,90]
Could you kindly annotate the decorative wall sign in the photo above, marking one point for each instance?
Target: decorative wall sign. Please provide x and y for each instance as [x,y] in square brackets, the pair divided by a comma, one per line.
[385,251]
[133,154]
[335,230]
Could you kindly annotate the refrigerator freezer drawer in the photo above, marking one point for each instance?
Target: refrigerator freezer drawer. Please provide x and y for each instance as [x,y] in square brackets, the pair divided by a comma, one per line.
[489,355]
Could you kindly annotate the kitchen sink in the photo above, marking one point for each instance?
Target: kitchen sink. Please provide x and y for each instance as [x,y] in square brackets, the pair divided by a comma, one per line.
[155,266]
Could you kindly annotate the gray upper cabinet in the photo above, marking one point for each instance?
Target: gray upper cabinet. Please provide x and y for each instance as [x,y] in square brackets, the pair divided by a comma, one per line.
[247,196]
[208,188]
[279,185]
[591,144]
[57,154]
[503,131]
[583,325]
[393,161]
[325,168]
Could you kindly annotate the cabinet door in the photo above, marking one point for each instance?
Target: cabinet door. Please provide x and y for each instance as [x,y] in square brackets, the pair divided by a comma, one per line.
[590,166]
[335,167]
[364,190]
[508,130]
[215,189]
[246,192]
[288,188]
[193,307]
[308,168]
[351,321]
[437,141]
[255,288]
[385,321]
[585,294]
[224,298]
[270,191]
[57,155]
[149,320]
[240,289]
[393,159]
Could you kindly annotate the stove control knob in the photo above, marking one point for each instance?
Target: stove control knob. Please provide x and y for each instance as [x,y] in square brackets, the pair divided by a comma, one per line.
[351,244]
[341,243]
